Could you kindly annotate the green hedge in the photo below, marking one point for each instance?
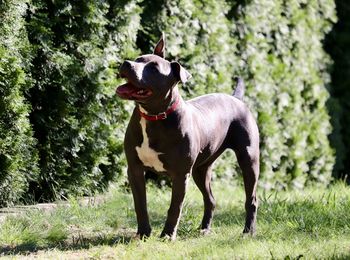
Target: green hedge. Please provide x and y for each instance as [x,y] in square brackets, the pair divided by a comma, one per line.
[67,73]
[76,118]
[338,46]
[281,45]
[18,158]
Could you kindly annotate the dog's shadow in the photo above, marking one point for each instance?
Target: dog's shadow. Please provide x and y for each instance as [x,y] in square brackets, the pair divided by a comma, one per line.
[75,243]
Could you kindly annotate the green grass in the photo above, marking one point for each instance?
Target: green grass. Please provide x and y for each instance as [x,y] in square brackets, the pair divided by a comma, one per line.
[311,224]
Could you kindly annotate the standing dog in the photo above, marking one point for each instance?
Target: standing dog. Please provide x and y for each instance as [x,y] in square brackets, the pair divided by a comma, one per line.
[175,137]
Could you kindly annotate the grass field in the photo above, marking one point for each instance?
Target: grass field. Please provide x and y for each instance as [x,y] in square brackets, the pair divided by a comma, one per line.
[309,224]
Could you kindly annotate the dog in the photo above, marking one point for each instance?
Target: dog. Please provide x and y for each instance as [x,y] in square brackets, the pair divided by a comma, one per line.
[179,138]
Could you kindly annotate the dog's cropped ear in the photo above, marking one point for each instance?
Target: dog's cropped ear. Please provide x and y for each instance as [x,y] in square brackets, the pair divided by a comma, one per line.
[160,47]
[180,73]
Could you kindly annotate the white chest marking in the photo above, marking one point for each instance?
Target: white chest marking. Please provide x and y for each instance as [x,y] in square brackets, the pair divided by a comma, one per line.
[147,155]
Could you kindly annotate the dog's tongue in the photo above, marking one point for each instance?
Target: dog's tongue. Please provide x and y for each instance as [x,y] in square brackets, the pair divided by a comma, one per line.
[126,90]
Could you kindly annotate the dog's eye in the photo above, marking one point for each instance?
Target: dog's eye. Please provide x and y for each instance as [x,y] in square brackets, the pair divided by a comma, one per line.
[140,59]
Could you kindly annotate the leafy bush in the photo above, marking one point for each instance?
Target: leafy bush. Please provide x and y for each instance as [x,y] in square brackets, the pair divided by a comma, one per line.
[67,73]
[76,117]
[338,46]
[286,67]
[18,158]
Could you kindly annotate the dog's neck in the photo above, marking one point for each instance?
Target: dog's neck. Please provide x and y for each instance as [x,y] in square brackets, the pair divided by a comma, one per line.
[163,105]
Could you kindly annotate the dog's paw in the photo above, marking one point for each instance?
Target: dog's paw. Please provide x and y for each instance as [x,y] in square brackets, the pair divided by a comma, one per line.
[248,233]
[205,232]
[143,232]
[136,238]
[141,236]
[168,237]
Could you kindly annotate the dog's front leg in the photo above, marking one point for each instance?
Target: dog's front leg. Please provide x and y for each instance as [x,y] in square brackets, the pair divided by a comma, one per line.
[174,212]
[138,186]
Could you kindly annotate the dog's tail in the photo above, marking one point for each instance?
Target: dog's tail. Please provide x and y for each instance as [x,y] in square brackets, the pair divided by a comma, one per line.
[240,88]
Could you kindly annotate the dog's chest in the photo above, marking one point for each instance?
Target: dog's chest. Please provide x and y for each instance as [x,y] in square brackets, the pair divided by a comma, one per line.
[148,156]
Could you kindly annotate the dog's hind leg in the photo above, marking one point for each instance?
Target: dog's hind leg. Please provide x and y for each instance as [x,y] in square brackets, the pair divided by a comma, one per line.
[248,159]
[202,178]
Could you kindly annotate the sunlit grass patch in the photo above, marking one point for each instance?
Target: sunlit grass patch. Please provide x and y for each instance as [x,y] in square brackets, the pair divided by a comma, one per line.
[310,223]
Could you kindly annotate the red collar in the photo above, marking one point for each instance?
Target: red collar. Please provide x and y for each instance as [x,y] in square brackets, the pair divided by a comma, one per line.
[160,116]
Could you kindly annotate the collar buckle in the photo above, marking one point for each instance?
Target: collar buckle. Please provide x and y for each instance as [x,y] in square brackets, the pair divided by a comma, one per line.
[161,116]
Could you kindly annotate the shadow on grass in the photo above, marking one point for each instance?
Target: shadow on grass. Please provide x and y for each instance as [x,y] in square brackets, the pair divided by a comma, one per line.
[76,242]
[341,257]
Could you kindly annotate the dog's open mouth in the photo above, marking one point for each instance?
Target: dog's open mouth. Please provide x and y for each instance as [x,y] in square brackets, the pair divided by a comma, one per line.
[130,91]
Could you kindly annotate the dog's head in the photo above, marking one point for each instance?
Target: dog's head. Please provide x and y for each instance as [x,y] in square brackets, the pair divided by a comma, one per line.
[151,76]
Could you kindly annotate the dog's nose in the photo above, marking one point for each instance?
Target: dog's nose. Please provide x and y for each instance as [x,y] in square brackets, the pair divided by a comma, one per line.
[131,69]
[125,68]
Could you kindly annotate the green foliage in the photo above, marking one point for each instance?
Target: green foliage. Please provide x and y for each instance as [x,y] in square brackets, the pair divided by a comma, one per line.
[286,67]
[338,46]
[18,159]
[76,116]
[67,73]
